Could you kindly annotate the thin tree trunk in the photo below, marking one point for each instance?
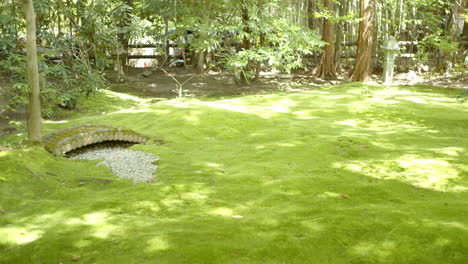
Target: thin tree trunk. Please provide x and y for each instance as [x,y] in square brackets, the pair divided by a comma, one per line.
[311,9]
[34,118]
[124,40]
[327,67]
[465,31]
[363,67]
[339,33]
[202,54]
[244,79]
[258,67]
[166,31]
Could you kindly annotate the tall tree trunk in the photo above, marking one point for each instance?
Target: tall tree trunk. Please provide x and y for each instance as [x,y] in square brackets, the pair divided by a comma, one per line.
[463,48]
[122,55]
[200,57]
[465,32]
[244,79]
[201,54]
[167,47]
[311,8]
[327,67]
[258,67]
[363,67]
[34,118]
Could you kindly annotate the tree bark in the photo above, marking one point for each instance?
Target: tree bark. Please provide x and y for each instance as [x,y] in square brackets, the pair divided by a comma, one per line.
[34,115]
[327,67]
[465,31]
[200,57]
[310,10]
[246,45]
[339,35]
[201,54]
[122,55]
[258,67]
[363,67]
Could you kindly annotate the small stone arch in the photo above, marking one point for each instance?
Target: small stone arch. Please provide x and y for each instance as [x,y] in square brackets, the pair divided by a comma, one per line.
[66,140]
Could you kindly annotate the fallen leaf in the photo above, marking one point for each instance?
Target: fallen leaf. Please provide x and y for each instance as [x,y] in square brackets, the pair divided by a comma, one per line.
[344,195]
[237,216]
[75,258]
[2,211]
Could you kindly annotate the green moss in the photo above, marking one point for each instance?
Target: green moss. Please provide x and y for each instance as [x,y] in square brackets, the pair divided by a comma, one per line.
[331,175]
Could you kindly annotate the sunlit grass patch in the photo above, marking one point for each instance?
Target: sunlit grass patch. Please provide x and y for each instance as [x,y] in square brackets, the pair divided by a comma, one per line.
[340,174]
[436,174]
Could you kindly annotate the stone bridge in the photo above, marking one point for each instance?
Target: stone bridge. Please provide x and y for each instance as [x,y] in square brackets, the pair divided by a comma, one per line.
[66,140]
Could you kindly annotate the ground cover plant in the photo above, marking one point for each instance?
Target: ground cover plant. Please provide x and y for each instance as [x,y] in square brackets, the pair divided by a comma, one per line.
[340,174]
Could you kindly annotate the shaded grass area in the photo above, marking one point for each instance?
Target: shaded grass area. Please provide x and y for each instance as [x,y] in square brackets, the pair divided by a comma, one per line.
[342,174]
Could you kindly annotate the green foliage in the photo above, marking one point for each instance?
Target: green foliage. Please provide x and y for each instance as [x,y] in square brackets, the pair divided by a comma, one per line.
[283,47]
[60,85]
[438,41]
[433,43]
[17,125]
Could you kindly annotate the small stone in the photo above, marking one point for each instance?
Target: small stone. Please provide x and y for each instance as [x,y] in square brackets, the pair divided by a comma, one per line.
[146,74]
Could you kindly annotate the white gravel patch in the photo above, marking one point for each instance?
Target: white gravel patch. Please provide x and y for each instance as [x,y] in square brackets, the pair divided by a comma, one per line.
[129,164]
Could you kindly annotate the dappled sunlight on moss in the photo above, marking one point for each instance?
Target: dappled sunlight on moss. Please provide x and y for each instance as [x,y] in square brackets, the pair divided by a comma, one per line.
[386,127]
[450,151]
[19,235]
[416,100]
[377,250]
[436,174]
[156,244]
[326,195]
[324,175]
[222,211]
[55,121]
[305,115]
[124,96]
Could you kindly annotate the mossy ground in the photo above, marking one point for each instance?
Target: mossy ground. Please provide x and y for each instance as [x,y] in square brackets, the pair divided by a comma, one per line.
[340,174]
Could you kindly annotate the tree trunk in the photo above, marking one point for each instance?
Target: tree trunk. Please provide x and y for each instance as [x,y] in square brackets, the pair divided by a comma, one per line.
[167,48]
[310,10]
[124,40]
[363,67]
[34,118]
[465,32]
[339,32]
[200,62]
[258,67]
[327,67]
[201,54]
[244,79]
